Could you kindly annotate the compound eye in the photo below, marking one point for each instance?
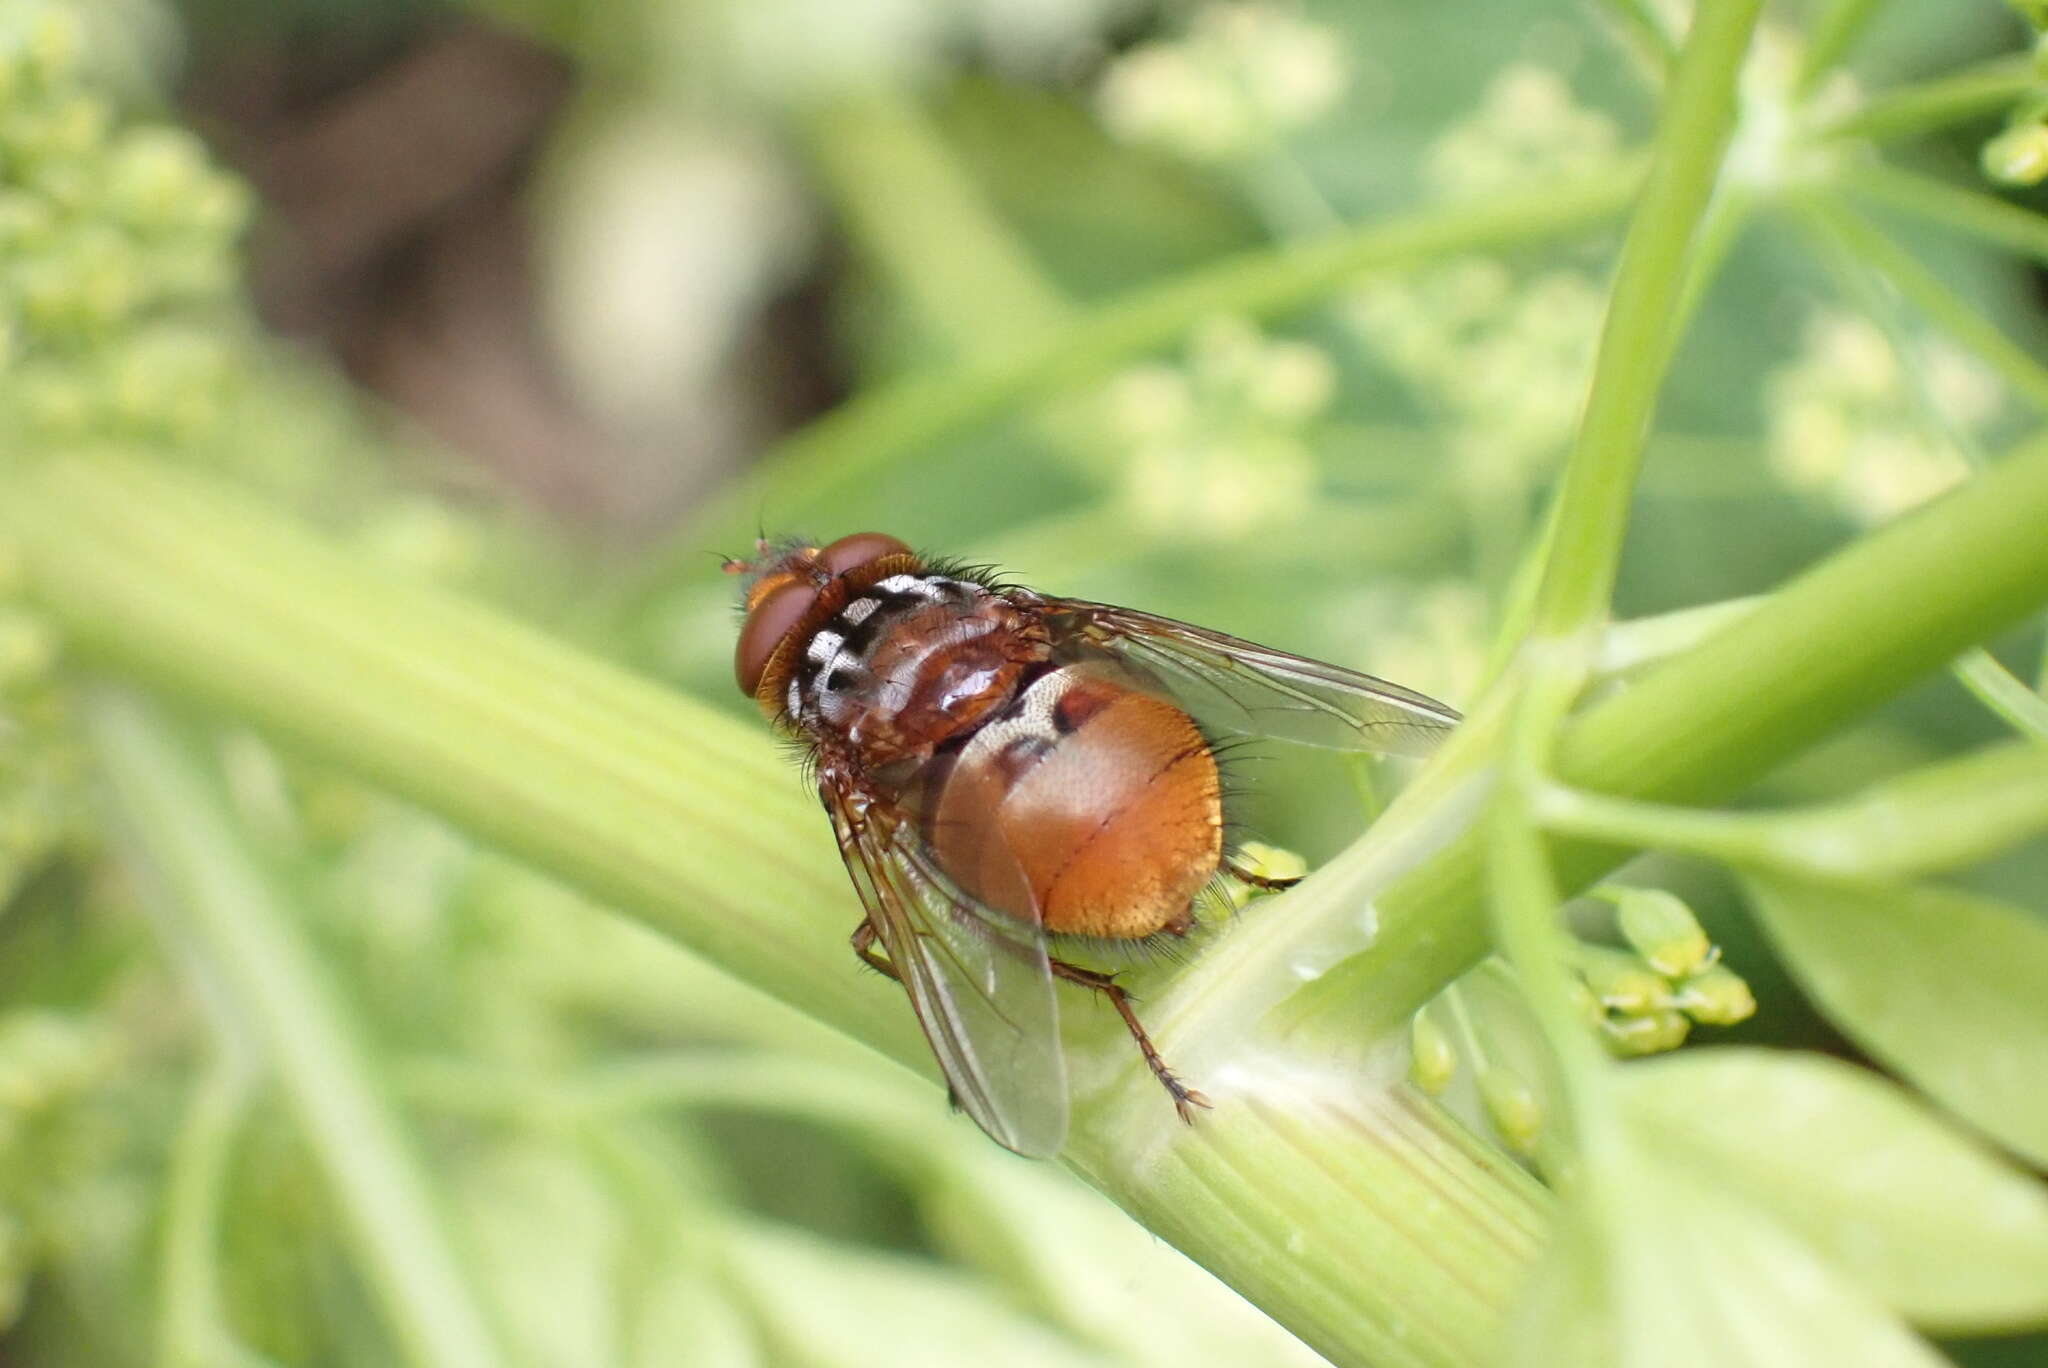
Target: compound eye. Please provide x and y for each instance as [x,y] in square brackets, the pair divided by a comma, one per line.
[849,553]
[771,619]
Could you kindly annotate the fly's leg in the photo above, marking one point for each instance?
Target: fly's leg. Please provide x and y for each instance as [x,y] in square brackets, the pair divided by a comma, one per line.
[863,941]
[1244,875]
[1185,1099]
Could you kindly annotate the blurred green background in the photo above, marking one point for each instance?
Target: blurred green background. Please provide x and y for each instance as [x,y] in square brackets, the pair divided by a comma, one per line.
[533,301]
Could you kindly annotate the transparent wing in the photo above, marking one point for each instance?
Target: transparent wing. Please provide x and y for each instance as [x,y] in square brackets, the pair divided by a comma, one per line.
[1251,689]
[977,980]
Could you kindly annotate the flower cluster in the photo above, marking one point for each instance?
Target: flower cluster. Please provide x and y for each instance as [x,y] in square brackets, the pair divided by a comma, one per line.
[1220,445]
[1526,131]
[1646,998]
[1641,997]
[1431,637]
[42,791]
[1506,360]
[118,250]
[51,1139]
[1241,78]
[1849,423]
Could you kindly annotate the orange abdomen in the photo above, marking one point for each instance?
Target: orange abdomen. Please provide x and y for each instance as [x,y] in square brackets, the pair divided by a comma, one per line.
[1091,807]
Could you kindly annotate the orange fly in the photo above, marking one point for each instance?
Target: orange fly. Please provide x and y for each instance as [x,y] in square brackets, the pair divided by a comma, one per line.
[1005,768]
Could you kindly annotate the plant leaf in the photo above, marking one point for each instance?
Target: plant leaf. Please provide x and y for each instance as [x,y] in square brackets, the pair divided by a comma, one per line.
[1684,1273]
[1949,988]
[1704,1278]
[1927,1219]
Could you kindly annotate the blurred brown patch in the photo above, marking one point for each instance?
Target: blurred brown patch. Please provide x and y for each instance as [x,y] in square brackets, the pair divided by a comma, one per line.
[394,165]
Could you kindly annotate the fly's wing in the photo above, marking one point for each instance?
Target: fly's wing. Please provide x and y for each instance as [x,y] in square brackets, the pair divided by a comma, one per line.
[1255,690]
[978,981]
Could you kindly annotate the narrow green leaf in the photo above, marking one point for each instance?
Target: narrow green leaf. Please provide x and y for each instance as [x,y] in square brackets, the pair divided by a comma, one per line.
[862,1307]
[1927,1219]
[1949,988]
[220,910]
[551,1251]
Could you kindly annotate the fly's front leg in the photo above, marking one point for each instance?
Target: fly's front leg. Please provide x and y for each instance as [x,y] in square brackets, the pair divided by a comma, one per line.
[1243,875]
[863,942]
[864,938]
[1185,1099]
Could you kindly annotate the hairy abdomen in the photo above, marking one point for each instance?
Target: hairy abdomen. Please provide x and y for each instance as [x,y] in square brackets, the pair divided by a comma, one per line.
[1086,805]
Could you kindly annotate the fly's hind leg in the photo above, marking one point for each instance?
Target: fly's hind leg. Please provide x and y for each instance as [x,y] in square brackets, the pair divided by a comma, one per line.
[1185,1099]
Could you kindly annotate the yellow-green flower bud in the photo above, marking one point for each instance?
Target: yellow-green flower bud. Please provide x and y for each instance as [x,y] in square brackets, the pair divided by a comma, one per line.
[1716,996]
[1621,981]
[1662,929]
[1432,1059]
[2018,156]
[1511,1104]
[1650,1033]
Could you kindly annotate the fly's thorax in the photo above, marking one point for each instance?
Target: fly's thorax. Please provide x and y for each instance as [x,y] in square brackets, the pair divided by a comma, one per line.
[911,662]
[1088,805]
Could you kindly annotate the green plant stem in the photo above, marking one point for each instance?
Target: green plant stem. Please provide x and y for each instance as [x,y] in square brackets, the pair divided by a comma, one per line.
[1971,212]
[1972,93]
[1831,37]
[1644,31]
[192,1327]
[223,910]
[2004,693]
[688,819]
[1582,545]
[1942,817]
[1817,654]
[1630,645]
[1637,340]
[1854,236]
[913,214]
[1371,1225]
[845,451]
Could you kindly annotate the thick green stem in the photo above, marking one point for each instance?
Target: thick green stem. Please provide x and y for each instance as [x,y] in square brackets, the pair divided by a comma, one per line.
[1844,637]
[1367,1222]
[687,819]
[225,915]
